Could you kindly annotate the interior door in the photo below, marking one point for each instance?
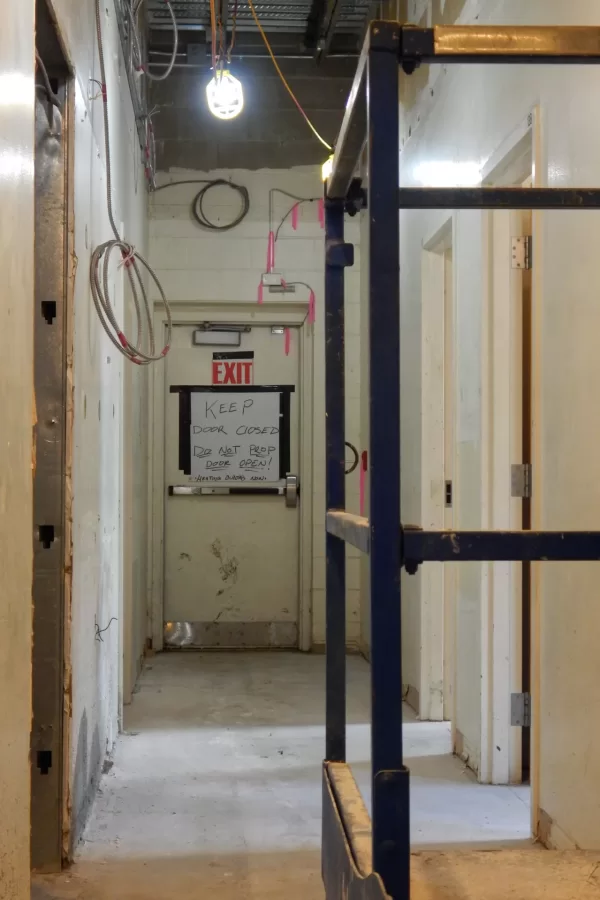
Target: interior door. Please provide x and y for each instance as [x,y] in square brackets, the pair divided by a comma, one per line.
[231,511]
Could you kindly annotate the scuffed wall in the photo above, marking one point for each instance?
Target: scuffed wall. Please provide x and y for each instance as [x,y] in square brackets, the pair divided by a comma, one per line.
[16,440]
[196,265]
[109,473]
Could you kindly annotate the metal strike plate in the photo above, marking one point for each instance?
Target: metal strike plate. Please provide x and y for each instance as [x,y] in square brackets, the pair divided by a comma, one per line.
[520,710]
[521,474]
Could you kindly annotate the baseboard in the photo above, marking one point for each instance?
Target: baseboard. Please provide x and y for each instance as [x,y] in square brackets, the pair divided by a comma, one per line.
[551,835]
[464,752]
[231,635]
[411,696]
[365,649]
[352,648]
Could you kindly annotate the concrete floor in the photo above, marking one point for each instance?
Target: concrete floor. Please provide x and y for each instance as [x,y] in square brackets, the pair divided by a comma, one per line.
[215,790]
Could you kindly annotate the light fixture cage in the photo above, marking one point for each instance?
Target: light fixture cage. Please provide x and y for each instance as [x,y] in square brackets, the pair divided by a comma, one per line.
[225,95]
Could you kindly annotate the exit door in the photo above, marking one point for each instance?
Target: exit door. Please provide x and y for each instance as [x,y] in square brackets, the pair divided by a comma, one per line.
[232,491]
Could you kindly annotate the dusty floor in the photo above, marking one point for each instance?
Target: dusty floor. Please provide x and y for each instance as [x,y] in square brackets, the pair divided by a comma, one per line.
[215,791]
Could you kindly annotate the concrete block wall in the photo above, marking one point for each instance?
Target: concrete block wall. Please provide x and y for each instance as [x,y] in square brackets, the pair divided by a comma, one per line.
[195,264]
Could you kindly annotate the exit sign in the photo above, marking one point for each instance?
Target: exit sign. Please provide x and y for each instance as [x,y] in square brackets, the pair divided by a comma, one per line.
[233,371]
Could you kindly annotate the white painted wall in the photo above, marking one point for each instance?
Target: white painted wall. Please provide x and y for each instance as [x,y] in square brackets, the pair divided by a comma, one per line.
[471,114]
[109,472]
[199,265]
[16,441]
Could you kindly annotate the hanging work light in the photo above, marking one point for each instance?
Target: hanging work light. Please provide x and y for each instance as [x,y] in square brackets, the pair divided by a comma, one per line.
[225,95]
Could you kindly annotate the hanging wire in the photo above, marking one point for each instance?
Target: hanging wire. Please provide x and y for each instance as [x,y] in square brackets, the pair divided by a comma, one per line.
[281,75]
[233,30]
[213,33]
[143,350]
[298,200]
[51,97]
[133,9]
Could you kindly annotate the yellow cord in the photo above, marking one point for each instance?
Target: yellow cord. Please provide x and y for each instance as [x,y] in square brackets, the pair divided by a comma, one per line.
[281,75]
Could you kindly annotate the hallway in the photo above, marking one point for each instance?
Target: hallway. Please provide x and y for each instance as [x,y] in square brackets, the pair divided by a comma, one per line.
[216,787]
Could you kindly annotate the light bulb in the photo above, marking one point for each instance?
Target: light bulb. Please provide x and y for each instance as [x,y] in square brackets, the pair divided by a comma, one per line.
[225,95]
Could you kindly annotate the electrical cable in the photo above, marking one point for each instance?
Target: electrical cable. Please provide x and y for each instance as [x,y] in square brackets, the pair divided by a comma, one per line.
[47,88]
[213,33]
[100,264]
[281,75]
[133,9]
[198,201]
[234,16]
[274,191]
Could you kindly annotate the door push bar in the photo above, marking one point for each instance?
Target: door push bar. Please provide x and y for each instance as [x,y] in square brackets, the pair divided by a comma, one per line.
[290,490]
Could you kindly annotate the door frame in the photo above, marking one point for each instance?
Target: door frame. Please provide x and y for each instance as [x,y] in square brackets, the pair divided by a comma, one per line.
[292,314]
[433,663]
[518,158]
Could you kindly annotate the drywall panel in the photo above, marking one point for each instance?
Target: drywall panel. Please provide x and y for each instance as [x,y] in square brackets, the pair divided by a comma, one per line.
[196,264]
[16,444]
[109,472]
[450,145]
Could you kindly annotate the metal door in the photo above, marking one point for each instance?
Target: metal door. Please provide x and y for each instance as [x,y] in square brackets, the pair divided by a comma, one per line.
[231,546]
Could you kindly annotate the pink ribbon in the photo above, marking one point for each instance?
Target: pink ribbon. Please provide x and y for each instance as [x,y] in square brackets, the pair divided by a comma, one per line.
[362,482]
[271,253]
[288,341]
[322,213]
[260,297]
[311,308]
[295,217]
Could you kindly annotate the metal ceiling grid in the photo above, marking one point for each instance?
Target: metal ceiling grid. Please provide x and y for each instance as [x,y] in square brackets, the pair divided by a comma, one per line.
[273,14]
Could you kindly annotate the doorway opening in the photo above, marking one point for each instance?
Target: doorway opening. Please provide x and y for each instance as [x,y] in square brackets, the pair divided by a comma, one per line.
[233,482]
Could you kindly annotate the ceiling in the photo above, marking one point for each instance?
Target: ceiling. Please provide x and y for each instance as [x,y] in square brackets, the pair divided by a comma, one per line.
[291,16]
[316,43]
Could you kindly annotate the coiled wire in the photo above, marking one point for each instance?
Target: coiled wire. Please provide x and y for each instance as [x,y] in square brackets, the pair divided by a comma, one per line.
[198,202]
[142,352]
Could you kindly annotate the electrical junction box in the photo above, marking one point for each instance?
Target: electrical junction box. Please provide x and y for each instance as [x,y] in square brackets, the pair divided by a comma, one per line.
[271,279]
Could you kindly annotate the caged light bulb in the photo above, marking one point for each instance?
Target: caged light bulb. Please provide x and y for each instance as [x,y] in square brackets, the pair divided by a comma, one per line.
[225,95]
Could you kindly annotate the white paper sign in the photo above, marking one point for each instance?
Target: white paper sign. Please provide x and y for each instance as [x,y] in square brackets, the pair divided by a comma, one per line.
[235,436]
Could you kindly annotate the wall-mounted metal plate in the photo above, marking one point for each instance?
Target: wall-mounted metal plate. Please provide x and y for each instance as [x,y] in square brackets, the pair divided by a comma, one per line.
[520,710]
[521,474]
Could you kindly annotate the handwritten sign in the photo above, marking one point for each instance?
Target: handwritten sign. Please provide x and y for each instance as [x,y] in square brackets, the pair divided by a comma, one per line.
[235,436]
[232,372]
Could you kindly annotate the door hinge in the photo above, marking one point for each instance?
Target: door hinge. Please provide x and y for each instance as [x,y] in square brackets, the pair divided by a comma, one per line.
[520,710]
[521,475]
[522,252]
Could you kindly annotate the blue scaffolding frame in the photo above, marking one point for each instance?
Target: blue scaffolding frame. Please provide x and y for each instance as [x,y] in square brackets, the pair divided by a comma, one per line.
[362,860]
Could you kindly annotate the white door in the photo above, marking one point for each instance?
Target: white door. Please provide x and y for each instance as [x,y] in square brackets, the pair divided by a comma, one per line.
[231,528]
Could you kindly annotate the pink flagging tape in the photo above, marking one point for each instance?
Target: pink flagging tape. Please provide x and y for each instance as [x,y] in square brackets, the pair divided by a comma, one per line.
[271,252]
[295,210]
[288,341]
[260,297]
[311,308]
[363,482]
[322,213]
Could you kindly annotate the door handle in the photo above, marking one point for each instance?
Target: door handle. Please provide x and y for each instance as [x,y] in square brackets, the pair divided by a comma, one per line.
[291,491]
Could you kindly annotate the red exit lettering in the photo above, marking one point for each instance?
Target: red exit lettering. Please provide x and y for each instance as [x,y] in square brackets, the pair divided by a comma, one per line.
[232,372]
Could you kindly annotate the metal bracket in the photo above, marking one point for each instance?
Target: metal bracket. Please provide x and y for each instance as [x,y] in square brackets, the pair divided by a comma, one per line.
[521,252]
[339,254]
[520,710]
[521,476]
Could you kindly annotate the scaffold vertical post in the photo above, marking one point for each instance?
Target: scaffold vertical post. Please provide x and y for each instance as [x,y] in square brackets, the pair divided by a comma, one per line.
[391,833]
[335,739]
